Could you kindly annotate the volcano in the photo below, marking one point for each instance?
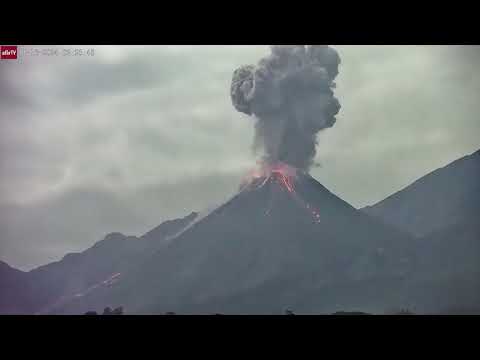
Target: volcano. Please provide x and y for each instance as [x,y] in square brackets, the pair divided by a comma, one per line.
[282,241]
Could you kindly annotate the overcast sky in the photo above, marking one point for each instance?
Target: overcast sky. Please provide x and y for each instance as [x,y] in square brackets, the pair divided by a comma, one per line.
[133,136]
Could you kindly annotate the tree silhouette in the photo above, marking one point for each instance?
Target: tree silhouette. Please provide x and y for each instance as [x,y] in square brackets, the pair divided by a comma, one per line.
[118,311]
[289,312]
[107,311]
[403,312]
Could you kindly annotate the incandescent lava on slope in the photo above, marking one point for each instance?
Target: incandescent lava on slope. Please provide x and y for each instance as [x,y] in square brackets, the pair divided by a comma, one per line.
[285,177]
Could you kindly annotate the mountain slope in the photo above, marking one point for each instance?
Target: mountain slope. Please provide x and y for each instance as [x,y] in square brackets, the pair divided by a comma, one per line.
[449,269]
[78,273]
[13,295]
[444,197]
[277,243]
[441,209]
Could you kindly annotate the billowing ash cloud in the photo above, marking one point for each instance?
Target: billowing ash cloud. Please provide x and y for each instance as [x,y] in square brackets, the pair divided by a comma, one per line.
[290,94]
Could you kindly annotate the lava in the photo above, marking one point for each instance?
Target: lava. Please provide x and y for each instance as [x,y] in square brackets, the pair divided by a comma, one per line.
[285,175]
[64,298]
[109,281]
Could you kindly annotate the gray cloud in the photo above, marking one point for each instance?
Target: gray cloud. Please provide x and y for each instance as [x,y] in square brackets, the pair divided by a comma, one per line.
[143,134]
[290,94]
[141,71]
[406,110]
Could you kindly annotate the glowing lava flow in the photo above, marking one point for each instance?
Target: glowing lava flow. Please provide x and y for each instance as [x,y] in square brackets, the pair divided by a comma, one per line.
[64,298]
[109,281]
[285,176]
[283,172]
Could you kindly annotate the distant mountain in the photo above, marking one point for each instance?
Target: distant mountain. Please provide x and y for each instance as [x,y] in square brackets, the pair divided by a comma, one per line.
[284,241]
[443,198]
[442,209]
[45,287]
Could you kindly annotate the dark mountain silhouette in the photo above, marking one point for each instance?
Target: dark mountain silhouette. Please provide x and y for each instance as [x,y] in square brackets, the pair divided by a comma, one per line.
[288,243]
[443,198]
[78,273]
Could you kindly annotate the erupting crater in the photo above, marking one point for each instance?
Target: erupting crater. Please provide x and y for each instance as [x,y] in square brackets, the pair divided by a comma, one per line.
[285,176]
[282,173]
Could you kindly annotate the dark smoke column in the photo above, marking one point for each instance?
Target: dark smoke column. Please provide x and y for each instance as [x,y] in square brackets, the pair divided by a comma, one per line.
[290,94]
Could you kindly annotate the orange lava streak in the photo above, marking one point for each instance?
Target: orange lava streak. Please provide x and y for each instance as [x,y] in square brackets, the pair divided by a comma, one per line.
[285,181]
[109,281]
[281,172]
[284,174]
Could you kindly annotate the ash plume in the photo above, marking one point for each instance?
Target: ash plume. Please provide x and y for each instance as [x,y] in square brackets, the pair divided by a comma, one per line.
[290,95]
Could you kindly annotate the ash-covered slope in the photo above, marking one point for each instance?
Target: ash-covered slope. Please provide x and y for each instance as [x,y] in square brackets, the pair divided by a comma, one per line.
[281,242]
[445,197]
